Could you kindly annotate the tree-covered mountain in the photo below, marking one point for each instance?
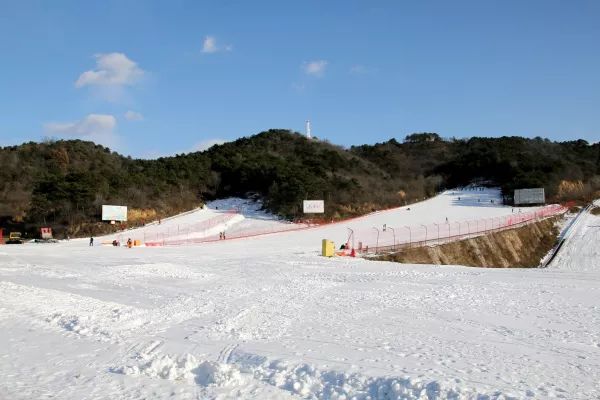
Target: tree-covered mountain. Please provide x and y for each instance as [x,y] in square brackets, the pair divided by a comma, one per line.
[567,170]
[64,183]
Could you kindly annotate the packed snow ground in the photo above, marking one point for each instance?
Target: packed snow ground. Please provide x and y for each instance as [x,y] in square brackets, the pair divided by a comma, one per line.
[267,317]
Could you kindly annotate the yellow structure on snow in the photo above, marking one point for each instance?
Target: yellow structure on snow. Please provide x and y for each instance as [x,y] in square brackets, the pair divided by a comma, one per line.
[328,248]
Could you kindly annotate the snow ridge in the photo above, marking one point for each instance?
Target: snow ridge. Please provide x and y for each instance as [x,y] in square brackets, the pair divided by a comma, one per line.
[303,380]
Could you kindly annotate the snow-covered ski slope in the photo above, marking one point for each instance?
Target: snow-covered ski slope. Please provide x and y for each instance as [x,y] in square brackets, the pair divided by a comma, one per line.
[267,317]
[453,211]
[234,216]
[581,249]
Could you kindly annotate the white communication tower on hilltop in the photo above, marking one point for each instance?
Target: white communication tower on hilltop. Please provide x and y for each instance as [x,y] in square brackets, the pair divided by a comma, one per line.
[308,129]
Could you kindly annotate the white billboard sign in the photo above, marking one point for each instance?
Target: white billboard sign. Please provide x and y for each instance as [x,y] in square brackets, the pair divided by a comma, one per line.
[314,206]
[530,196]
[114,213]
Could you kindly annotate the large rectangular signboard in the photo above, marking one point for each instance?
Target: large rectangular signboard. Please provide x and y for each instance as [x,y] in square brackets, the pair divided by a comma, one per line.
[314,206]
[114,213]
[530,196]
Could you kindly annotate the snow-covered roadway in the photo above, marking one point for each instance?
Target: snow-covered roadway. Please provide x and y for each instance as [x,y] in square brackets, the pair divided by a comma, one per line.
[268,317]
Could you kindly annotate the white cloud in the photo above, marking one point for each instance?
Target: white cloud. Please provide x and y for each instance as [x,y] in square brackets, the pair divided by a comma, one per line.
[112,69]
[207,144]
[361,69]
[99,128]
[315,68]
[210,45]
[133,116]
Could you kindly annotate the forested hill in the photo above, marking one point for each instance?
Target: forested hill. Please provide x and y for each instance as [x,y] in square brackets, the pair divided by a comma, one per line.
[64,183]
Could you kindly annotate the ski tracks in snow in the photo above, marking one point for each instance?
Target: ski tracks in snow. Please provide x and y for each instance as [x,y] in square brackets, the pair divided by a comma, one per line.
[226,352]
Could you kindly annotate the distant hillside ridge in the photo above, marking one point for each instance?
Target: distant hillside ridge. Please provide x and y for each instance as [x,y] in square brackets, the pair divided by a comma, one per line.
[63,183]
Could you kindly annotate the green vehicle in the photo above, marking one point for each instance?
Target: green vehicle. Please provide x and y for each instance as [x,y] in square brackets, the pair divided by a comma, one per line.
[15,238]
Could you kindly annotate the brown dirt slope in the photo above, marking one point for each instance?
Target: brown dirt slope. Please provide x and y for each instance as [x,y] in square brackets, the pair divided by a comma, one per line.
[521,247]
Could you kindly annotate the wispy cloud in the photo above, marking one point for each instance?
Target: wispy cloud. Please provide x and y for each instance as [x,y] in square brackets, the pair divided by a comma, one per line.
[133,116]
[207,144]
[99,128]
[112,69]
[200,146]
[210,45]
[315,68]
[358,69]
[299,87]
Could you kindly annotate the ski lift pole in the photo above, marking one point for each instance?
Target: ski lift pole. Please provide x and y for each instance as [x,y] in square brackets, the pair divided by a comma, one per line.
[377,243]
[394,233]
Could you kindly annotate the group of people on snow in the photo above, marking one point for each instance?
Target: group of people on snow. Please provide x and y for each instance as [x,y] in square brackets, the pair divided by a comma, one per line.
[115,242]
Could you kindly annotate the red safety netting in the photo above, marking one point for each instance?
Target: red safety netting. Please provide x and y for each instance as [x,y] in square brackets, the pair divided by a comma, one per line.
[229,235]
[184,232]
[374,240]
[390,238]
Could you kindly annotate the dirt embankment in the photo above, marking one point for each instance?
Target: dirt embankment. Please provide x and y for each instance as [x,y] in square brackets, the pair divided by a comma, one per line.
[521,247]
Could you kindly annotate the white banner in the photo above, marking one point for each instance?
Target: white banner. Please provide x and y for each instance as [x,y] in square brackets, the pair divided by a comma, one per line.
[530,196]
[314,206]
[114,213]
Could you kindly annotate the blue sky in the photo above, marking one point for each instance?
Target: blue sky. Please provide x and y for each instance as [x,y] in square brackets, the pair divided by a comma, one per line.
[165,77]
